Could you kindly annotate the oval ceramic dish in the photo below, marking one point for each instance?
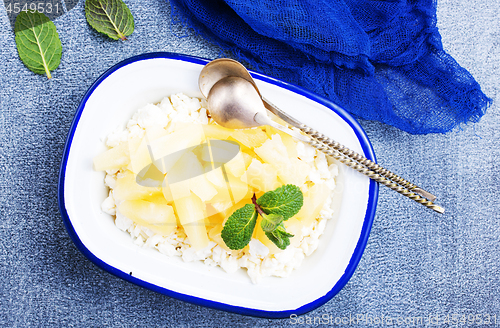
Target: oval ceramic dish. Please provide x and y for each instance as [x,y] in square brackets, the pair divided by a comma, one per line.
[110,103]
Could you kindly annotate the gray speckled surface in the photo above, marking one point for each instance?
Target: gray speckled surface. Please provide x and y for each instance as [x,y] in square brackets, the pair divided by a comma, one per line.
[416,263]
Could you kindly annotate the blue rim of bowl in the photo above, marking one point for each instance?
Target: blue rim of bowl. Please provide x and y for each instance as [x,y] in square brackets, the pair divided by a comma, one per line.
[358,251]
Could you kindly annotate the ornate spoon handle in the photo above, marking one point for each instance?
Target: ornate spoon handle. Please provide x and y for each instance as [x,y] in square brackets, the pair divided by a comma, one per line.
[365,161]
[359,162]
[374,175]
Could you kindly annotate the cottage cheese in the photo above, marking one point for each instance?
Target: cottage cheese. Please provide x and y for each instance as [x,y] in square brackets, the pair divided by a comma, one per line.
[256,258]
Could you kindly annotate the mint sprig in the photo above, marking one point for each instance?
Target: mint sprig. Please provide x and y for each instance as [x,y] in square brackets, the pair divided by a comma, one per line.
[270,222]
[280,237]
[274,207]
[238,229]
[37,42]
[285,201]
[110,17]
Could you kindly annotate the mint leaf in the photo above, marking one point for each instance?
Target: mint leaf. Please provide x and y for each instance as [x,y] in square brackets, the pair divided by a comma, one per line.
[239,227]
[285,201]
[280,237]
[274,207]
[270,222]
[110,17]
[37,42]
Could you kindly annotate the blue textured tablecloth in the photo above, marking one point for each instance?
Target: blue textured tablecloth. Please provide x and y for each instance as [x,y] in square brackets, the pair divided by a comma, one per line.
[417,264]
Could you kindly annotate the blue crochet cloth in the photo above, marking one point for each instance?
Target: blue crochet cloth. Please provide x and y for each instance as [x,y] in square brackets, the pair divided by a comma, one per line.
[381,60]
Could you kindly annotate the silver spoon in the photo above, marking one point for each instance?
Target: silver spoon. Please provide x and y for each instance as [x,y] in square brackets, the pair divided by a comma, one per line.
[234,101]
[227,108]
[223,67]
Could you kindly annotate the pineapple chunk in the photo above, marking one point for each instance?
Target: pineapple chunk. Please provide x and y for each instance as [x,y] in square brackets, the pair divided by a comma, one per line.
[157,199]
[214,219]
[216,177]
[114,158]
[221,208]
[270,131]
[222,199]
[226,209]
[314,198]
[197,234]
[247,157]
[288,141]
[206,157]
[263,177]
[237,165]
[167,150]
[127,188]
[186,176]
[219,152]
[191,213]
[167,193]
[157,217]
[289,170]
[154,132]
[239,187]
[228,193]
[176,190]
[179,190]
[215,235]
[190,209]
[232,192]
[214,131]
[295,172]
[273,151]
[150,176]
[249,138]
[133,144]
[140,158]
[223,194]
[177,178]
[202,188]
[294,226]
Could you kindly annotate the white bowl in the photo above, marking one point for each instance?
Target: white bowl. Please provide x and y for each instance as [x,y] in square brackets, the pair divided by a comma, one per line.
[111,101]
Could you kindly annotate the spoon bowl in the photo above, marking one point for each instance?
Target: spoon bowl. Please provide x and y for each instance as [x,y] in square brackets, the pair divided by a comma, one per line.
[233,103]
[220,68]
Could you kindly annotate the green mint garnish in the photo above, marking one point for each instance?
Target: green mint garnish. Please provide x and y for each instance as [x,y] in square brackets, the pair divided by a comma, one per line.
[238,229]
[274,207]
[280,237]
[270,222]
[285,201]
[110,17]
[37,42]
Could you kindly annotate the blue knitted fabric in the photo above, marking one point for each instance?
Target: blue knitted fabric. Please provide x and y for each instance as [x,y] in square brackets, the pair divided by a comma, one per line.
[381,60]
